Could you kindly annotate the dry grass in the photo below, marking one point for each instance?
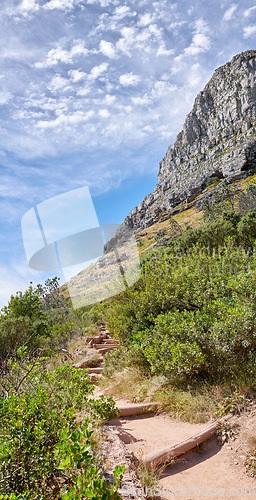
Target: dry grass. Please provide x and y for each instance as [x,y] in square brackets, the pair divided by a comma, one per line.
[187,405]
[190,216]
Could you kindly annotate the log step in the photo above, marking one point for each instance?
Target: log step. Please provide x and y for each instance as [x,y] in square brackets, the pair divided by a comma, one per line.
[111,341]
[97,369]
[137,409]
[103,350]
[106,344]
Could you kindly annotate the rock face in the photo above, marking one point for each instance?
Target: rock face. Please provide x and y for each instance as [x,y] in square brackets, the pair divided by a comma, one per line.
[218,140]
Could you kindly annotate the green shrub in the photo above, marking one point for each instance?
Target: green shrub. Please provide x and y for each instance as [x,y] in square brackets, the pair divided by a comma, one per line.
[33,411]
[76,456]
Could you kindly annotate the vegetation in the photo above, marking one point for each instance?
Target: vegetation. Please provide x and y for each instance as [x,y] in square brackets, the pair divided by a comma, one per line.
[187,331]
[46,452]
[191,318]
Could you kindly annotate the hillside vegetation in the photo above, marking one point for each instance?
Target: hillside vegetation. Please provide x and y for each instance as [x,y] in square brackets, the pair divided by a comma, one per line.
[187,332]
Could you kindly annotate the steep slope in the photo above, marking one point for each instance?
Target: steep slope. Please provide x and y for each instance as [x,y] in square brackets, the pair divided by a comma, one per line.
[218,139]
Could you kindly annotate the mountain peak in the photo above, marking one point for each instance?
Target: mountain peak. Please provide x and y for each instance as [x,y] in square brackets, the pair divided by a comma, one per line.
[218,139]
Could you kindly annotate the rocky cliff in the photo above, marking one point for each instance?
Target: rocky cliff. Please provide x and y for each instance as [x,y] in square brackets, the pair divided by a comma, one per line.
[218,139]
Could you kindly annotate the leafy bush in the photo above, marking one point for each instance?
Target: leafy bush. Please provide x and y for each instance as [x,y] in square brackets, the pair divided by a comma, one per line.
[192,315]
[76,456]
[36,318]
[32,414]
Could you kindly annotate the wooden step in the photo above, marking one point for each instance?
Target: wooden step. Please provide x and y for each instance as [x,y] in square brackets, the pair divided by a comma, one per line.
[137,409]
[97,369]
[103,350]
[111,341]
[106,344]
[98,347]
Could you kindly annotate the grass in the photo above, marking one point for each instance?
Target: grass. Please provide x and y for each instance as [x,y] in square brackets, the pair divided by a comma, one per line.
[187,405]
[191,404]
[250,462]
[190,216]
[149,478]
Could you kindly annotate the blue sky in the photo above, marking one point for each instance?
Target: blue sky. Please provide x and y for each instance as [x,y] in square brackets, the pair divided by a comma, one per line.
[92,92]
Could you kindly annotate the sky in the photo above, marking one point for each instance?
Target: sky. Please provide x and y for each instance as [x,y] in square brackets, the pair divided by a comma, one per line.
[92,93]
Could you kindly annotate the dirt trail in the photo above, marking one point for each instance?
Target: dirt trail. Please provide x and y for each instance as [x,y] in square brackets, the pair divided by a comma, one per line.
[209,471]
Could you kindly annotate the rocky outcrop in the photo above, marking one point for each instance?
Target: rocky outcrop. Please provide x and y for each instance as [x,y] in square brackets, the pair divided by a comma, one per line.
[218,139]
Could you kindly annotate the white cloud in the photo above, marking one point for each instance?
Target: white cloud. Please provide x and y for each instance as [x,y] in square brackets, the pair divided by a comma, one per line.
[129,79]
[107,49]
[28,6]
[194,76]
[65,120]
[249,30]
[145,19]
[250,11]
[62,4]
[121,12]
[103,3]
[141,100]
[77,75]
[59,54]
[163,51]
[97,71]
[104,113]
[200,41]
[58,83]
[127,41]
[83,91]
[109,99]
[5,97]
[230,12]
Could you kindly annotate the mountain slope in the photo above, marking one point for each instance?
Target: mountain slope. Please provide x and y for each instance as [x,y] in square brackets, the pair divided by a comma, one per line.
[218,139]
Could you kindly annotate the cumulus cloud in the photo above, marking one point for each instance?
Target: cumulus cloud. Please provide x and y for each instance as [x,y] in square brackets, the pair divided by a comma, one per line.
[65,120]
[163,51]
[145,19]
[62,4]
[230,12]
[104,113]
[59,54]
[107,49]
[28,6]
[200,41]
[126,42]
[77,75]
[58,83]
[249,30]
[103,3]
[5,97]
[121,12]
[249,12]
[97,71]
[129,80]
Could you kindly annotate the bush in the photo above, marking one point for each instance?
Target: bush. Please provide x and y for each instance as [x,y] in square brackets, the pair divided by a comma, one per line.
[33,412]
[192,315]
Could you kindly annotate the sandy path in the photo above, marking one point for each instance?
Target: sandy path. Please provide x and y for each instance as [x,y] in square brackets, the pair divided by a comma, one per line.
[212,471]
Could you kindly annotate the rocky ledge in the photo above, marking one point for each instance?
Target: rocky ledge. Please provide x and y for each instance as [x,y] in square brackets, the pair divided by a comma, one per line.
[218,139]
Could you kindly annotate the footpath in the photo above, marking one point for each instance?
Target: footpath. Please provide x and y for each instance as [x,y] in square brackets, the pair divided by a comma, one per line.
[189,460]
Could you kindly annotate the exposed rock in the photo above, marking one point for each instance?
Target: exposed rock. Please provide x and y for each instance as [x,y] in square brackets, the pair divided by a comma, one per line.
[218,139]
[87,360]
